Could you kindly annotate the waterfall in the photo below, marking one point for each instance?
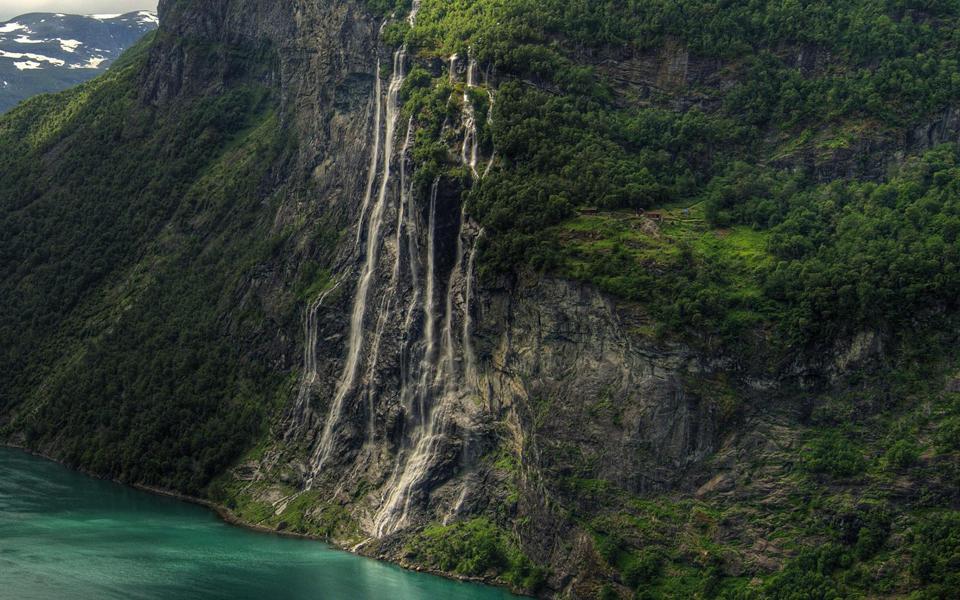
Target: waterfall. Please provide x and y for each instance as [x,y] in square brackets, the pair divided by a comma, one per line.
[448,356]
[471,143]
[374,155]
[395,508]
[406,346]
[370,260]
[404,326]
[469,357]
[309,376]
[414,9]
[440,385]
[493,154]
[429,302]
[386,302]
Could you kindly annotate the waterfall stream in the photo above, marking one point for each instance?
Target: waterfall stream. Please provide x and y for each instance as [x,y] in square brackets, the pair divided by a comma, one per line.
[370,261]
[471,143]
[408,351]
[448,386]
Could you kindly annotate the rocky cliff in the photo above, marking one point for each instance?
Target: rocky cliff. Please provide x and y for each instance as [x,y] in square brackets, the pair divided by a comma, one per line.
[366,378]
[423,397]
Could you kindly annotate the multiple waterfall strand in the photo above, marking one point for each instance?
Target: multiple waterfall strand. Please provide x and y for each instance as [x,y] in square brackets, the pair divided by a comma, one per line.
[310,374]
[388,298]
[449,384]
[374,224]
[431,323]
[442,388]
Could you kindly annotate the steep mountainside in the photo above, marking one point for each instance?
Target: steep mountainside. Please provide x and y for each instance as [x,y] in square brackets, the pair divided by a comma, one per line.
[655,299]
[47,52]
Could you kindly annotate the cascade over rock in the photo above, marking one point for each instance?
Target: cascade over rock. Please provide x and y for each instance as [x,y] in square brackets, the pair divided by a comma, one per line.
[411,373]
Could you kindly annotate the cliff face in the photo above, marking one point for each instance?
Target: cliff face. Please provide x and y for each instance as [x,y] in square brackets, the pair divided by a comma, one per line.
[319,57]
[394,399]
[421,396]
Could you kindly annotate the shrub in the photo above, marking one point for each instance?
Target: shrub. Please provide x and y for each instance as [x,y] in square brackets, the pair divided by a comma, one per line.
[902,454]
[833,455]
[643,569]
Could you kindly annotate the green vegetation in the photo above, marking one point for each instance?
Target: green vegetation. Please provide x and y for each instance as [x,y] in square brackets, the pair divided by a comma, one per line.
[801,79]
[845,505]
[834,454]
[475,548]
[303,512]
[116,269]
[735,173]
[936,554]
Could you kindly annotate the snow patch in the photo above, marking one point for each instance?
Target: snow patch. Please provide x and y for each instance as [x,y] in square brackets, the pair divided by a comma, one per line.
[93,63]
[32,58]
[69,45]
[25,40]
[12,26]
[148,17]
[27,65]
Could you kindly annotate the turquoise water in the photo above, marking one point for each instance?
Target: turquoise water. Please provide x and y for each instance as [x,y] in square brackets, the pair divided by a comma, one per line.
[67,536]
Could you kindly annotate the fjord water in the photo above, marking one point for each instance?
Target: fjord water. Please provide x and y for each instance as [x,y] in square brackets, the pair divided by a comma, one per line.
[65,535]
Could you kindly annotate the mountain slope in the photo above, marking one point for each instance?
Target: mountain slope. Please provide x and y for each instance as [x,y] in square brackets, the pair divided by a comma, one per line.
[47,52]
[654,300]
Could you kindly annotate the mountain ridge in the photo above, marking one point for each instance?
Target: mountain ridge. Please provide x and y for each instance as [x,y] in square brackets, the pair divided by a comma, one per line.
[41,52]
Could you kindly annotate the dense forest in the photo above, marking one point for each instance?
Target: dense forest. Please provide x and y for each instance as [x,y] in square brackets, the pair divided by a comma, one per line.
[567,137]
[125,175]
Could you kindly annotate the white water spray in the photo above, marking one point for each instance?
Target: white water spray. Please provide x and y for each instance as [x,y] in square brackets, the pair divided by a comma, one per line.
[355,342]
[429,304]
[493,154]
[374,155]
[469,357]
[471,144]
[309,376]
[437,365]
[437,397]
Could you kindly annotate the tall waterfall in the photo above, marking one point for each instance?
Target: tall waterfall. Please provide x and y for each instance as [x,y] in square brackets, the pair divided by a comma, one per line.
[449,384]
[374,224]
[409,373]
[471,143]
[493,154]
[374,155]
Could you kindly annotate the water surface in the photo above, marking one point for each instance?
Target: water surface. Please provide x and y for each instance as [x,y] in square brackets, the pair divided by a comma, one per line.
[66,535]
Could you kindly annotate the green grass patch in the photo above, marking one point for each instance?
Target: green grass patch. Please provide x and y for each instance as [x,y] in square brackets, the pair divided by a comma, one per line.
[475,548]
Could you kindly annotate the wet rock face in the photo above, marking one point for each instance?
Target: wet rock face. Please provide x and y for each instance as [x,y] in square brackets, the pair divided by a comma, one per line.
[593,400]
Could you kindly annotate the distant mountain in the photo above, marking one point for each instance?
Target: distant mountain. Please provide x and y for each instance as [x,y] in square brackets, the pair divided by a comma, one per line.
[46,52]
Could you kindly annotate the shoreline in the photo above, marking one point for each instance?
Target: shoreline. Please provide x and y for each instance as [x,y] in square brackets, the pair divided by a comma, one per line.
[230,518]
